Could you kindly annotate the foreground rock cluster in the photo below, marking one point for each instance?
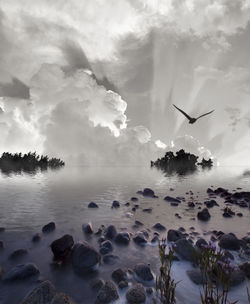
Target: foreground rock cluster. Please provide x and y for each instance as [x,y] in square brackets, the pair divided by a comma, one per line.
[134,284]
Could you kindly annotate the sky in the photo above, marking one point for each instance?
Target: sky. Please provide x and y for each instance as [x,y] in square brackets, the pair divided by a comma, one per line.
[94,81]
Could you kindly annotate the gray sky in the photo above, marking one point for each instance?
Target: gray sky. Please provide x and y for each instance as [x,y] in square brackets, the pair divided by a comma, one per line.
[60,59]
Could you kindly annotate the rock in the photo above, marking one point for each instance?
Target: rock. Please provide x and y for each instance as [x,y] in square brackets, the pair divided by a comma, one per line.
[155,239]
[174,235]
[87,228]
[136,294]
[143,272]
[122,238]
[110,232]
[36,238]
[110,259]
[200,243]
[97,284]
[1,272]
[237,277]
[191,204]
[138,223]
[84,257]
[140,238]
[239,214]
[148,192]
[229,241]
[62,246]
[134,199]
[245,267]
[211,203]
[185,249]
[107,294]
[204,215]
[61,298]
[49,227]
[106,247]
[21,272]
[18,254]
[1,245]
[115,204]
[159,226]
[93,205]
[148,210]
[195,276]
[171,199]
[43,294]
[149,290]
[123,284]
[119,274]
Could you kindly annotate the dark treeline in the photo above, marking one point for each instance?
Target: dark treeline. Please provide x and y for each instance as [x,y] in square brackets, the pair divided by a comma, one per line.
[28,162]
[180,163]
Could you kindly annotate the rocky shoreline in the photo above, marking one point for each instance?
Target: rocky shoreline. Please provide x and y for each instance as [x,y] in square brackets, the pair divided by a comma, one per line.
[137,284]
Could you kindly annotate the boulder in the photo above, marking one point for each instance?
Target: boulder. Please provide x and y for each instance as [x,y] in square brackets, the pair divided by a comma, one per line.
[245,267]
[106,247]
[136,294]
[43,294]
[93,205]
[148,192]
[84,257]
[49,227]
[229,242]
[122,238]
[87,228]
[204,215]
[62,246]
[139,238]
[61,298]
[143,272]
[18,254]
[107,294]
[195,276]
[110,232]
[200,243]
[174,235]
[185,249]
[21,272]
[97,284]
[119,274]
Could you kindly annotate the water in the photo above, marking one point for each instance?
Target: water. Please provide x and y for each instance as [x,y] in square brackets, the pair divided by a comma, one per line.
[30,201]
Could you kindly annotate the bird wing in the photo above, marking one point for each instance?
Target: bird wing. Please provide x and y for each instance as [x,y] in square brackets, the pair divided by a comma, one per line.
[205,114]
[185,114]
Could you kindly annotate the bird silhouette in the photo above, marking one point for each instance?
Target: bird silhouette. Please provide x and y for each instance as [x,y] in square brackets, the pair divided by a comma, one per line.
[192,119]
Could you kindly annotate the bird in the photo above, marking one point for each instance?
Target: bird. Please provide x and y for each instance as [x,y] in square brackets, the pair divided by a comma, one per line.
[192,120]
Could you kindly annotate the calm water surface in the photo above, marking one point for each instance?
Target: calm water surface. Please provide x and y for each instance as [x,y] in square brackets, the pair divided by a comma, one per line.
[30,201]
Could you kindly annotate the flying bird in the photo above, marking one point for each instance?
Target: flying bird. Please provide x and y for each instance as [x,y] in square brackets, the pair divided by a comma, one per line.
[192,119]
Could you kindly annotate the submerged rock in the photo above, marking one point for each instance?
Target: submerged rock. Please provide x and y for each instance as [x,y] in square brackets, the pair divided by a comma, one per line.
[36,238]
[43,294]
[18,254]
[21,272]
[97,284]
[106,247]
[107,294]
[171,199]
[229,241]
[195,276]
[143,272]
[84,257]
[245,267]
[87,228]
[211,203]
[136,294]
[115,204]
[110,259]
[200,243]
[140,238]
[49,227]
[62,246]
